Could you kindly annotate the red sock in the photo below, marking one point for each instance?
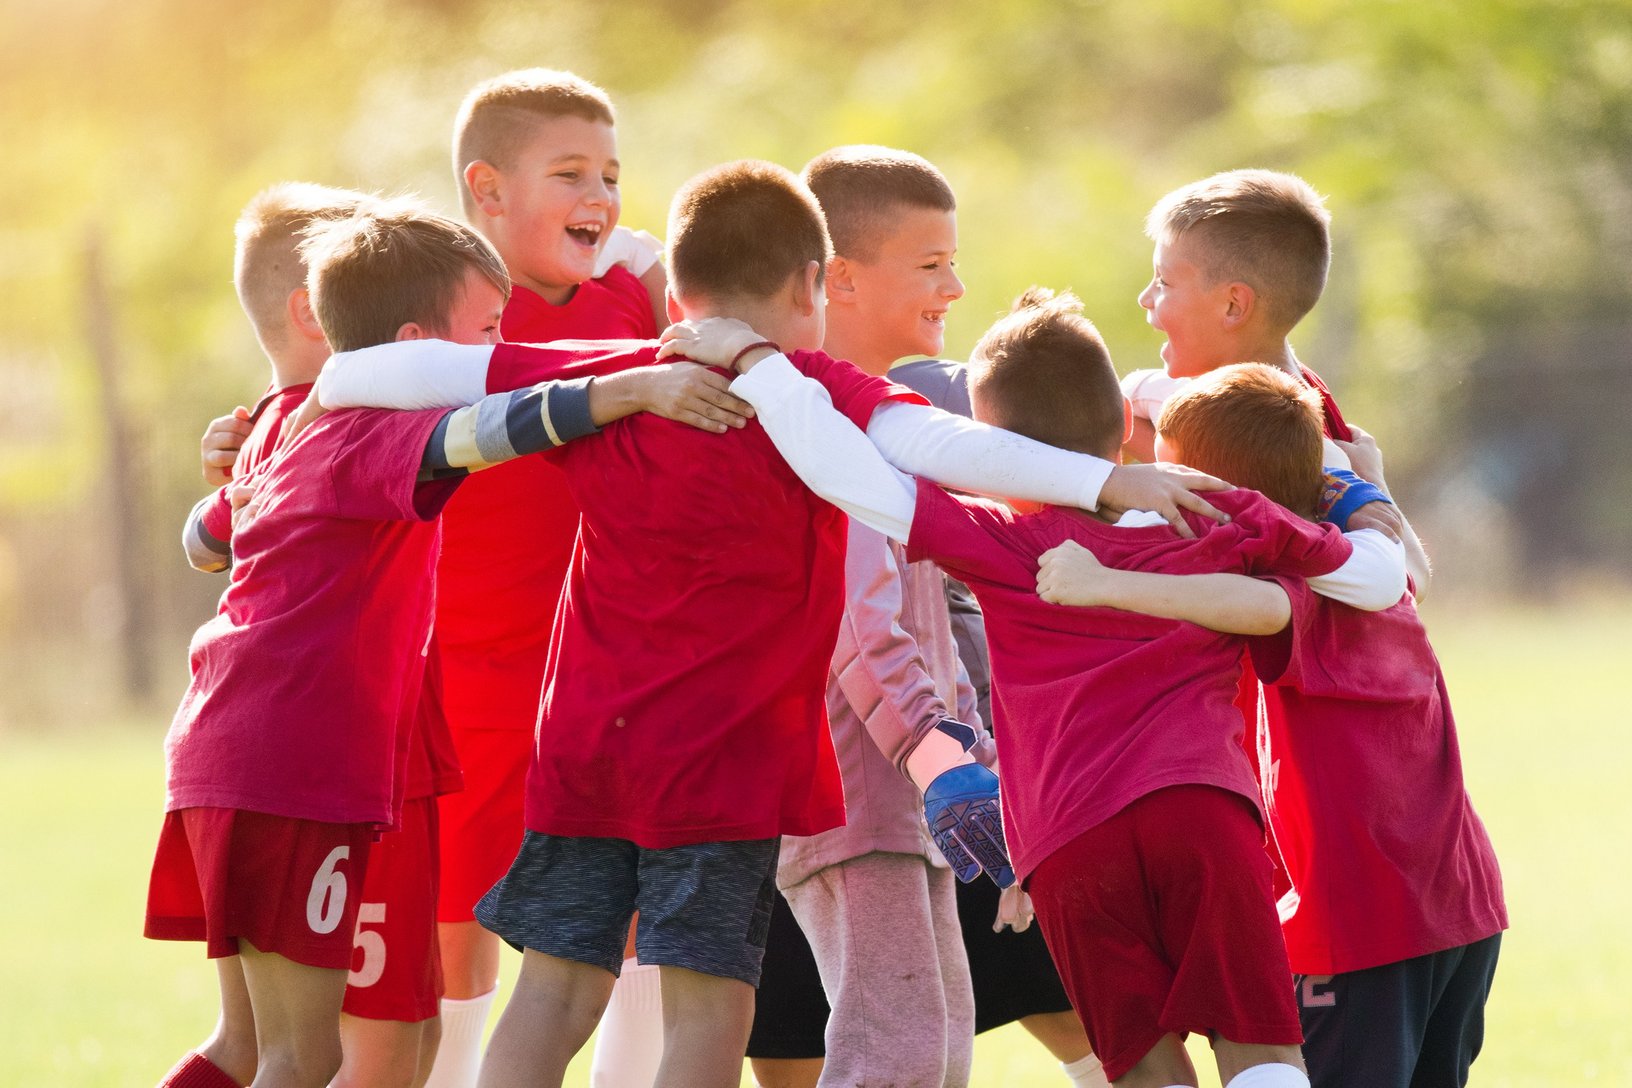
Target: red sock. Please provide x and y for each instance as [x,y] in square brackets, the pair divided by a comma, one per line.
[197,1071]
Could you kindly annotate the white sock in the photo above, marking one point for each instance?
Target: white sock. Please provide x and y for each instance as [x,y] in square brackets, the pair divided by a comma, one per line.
[1086,1072]
[629,1044]
[459,1055]
[1273,1075]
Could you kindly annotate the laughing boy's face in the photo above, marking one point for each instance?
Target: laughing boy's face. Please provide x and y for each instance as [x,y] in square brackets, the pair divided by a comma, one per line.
[562,200]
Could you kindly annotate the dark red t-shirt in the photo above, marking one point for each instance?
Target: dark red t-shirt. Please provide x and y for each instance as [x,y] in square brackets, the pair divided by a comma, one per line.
[684,694]
[1363,783]
[433,765]
[1096,707]
[305,683]
[507,535]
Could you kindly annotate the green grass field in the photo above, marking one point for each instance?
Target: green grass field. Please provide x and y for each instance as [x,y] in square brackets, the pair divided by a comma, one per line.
[88,1002]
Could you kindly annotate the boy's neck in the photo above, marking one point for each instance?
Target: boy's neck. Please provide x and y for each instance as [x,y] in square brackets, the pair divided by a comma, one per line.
[769,320]
[843,342]
[554,294]
[296,365]
[1272,351]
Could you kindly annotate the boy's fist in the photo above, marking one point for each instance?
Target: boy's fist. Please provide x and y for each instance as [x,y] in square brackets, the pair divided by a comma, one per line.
[1069,574]
[218,449]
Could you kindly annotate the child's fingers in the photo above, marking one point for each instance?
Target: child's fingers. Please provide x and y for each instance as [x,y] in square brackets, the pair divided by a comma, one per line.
[1193,502]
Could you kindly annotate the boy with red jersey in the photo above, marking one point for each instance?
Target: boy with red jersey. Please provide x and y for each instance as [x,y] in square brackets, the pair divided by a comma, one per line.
[666,768]
[1393,922]
[1127,798]
[388,1024]
[535,159]
[288,753]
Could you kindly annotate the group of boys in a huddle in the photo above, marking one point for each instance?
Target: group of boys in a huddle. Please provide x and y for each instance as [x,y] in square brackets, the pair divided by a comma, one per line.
[698,670]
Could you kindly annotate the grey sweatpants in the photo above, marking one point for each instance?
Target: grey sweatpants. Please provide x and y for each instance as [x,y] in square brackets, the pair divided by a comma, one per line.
[884,929]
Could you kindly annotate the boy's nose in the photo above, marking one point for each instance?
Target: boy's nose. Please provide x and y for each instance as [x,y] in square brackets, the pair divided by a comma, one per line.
[952,289]
[1145,296]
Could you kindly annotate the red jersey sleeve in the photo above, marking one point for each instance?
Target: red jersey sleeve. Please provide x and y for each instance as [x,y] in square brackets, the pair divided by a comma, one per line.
[855,392]
[971,539]
[373,467]
[517,366]
[1333,651]
[1273,540]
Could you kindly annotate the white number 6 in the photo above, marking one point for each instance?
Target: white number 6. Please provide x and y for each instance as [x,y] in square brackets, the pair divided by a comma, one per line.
[372,944]
[327,899]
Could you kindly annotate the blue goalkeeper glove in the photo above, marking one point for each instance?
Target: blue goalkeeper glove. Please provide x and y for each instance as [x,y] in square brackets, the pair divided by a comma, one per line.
[961,808]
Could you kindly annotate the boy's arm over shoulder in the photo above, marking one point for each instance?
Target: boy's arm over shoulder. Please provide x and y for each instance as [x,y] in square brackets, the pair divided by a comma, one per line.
[1069,574]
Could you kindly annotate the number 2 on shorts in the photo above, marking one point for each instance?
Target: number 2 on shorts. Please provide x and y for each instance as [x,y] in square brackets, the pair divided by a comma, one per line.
[326,902]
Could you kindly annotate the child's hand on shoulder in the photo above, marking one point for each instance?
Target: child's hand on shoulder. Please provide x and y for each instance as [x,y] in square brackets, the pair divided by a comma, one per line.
[693,394]
[1365,459]
[716,341]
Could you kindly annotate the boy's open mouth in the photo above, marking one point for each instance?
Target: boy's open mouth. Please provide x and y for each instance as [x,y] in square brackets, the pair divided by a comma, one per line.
[587,235]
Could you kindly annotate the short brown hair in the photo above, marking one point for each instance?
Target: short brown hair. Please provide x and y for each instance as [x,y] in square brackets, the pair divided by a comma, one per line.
[267,264]
[861,186]
[1269,230]
[1043,371]
[742,229]
[1255,426]
[391,265]
[499,115]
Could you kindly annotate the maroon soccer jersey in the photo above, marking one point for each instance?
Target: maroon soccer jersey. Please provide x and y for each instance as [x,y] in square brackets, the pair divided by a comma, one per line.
[1096,707]
[684,695]
[508,533]
[304,683]
[1363,783]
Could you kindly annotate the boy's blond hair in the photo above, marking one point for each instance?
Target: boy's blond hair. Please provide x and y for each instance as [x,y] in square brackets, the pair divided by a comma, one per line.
[861,187]
[266,263]
[1268,230]
[1043,371]
[1255,426]
[392,265]
[742,229]
[499,115]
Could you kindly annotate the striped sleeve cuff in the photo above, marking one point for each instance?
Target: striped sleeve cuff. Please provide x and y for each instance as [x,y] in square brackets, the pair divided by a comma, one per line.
[504,426]
[205,551]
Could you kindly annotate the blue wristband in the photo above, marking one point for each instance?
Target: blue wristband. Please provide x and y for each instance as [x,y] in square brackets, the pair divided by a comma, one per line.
[1342,493]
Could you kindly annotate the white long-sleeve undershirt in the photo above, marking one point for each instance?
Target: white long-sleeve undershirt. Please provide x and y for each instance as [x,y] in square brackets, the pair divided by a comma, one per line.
[871,477]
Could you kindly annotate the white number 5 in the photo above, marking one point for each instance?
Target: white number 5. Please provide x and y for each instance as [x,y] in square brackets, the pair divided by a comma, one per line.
[372,944]
[327,899]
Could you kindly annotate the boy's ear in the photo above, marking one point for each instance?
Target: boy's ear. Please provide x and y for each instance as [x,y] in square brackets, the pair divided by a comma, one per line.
[1239,302]
[671,305]
[413,330]
[806,288]
[301,317]
[841,281]
[1127,420]
[483,182]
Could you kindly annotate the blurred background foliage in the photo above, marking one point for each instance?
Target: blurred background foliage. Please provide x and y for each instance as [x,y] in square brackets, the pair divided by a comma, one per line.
[1477,158]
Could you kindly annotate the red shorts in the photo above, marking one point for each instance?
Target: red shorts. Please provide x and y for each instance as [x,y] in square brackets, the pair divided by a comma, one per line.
[482,825]
[284,885]
[1161,919]
[396,970]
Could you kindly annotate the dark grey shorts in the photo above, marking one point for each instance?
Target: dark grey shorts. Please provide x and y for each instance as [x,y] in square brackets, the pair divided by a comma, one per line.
[705,907]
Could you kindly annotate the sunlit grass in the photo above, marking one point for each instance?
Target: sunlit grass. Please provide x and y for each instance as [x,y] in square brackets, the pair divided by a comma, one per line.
[88,1002]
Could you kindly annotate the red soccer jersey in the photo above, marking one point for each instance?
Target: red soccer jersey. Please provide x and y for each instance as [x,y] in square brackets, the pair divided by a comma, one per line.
[1363,783]
[433,765]
[304,682]
[684,696]
[1096,707]
[508,533]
